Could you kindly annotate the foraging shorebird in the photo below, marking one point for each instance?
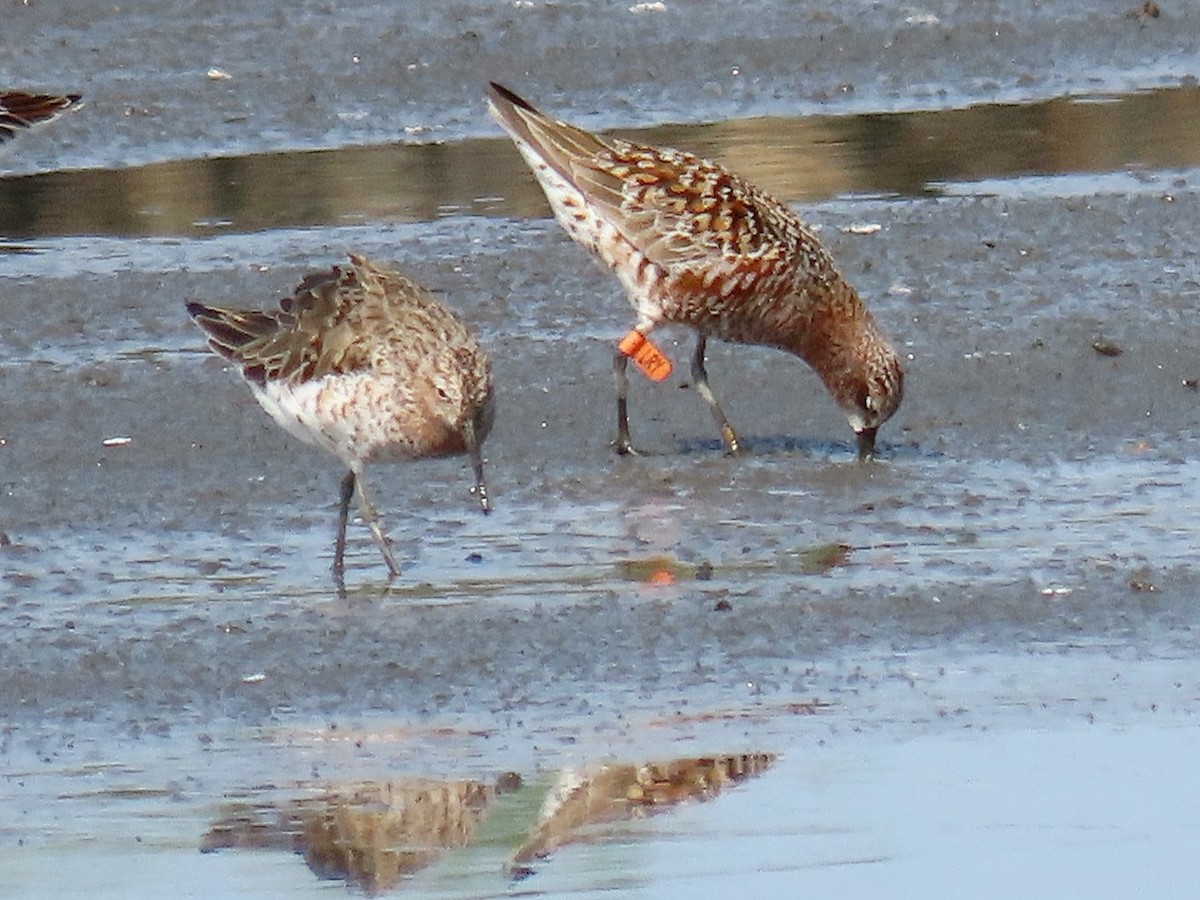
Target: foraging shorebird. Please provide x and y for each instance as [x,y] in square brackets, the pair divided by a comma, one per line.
[366,364]
[20,110]
[695,245]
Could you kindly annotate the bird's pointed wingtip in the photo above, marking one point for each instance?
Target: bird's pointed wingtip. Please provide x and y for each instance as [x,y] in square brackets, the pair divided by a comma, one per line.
[497,91]
[195,308]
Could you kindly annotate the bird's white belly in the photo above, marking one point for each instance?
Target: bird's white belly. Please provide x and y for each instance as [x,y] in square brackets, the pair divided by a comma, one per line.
[356,417]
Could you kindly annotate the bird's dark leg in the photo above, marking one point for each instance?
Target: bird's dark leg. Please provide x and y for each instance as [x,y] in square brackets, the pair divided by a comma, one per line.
[700,380]
[866,444]
[372,519]
[339,546]
[623,444]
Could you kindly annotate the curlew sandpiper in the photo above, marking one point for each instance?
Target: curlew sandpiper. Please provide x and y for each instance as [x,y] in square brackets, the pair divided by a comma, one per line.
[695,245]
[364,363]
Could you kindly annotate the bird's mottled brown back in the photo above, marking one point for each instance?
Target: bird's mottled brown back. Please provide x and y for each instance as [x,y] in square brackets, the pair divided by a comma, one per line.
[681,211]
[319,329]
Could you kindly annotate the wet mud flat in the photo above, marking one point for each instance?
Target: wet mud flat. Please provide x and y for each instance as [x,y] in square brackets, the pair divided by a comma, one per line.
[1019,562]
[673,673]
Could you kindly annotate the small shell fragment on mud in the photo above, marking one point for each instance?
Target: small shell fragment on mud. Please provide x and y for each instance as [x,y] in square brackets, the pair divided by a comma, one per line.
[120,441]
[1057,591]
[1105,347]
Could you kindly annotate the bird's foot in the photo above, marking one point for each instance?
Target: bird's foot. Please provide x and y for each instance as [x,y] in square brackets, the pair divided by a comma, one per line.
[733,447]
[624,448]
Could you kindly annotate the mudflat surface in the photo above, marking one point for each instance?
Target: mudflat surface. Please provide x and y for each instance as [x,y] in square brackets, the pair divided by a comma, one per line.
[1001,608]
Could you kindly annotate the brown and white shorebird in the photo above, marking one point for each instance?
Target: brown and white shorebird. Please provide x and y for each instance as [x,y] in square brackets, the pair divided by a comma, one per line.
[694,244]
[21,110]
[363,362]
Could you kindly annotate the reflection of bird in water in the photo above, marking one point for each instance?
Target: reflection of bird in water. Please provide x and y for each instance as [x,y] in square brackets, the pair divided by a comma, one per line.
[366,364]
[373,834]
[696,245]
[20,110]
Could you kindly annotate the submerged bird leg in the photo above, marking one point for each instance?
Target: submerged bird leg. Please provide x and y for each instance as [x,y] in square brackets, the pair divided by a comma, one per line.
[339,546]
[371,517]
[700,380]
[476,454]
[866,444]
[623,444]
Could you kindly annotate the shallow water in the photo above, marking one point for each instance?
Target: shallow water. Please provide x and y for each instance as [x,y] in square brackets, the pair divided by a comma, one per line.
[811,158]
[846,814]
[976,650]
